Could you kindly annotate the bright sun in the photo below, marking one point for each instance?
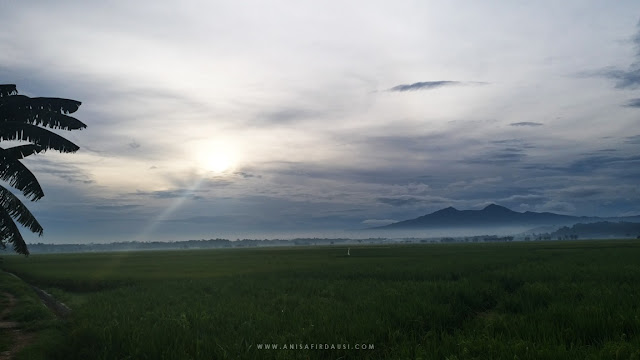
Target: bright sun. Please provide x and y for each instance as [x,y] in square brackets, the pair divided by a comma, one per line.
[218,162]
[216,157]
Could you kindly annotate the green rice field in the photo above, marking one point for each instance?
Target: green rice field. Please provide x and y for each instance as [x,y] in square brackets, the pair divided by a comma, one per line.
[536,300]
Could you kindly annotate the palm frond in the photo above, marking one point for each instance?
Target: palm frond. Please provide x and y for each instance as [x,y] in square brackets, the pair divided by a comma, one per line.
[54,120]
[17,210]
[19,176]
[59,105]
[37,135]
[22,151]
[7,90]
[20,120]
[10,233]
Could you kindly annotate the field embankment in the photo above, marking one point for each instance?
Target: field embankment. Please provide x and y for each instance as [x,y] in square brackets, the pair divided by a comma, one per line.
[28,329]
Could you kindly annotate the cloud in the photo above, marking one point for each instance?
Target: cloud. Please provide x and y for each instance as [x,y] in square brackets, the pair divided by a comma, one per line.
[558,207]
[425,85]
[413,188]
[247,175]
[581,191]
[597,162]
[412,143]
[70,173]
[625,79]
[428,85]
[629,78]
[170,194]
[381,173]
[378,222]
[204,219]
[288,116]
[633,103]
[403,201]
[116,207]
[526,123]
[412,200]
[498,157]
[519,143]
[527,199]
[633,139]
[474,183]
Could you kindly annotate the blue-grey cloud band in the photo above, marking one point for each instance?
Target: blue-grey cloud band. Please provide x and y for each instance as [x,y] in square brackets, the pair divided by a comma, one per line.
[526,123]
[428,85]
[633,103]
[627,78]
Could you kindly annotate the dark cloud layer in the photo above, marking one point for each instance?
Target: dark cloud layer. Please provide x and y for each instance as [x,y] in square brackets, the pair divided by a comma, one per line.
[526,123]
[247,175]
[428,85]
[520,143]
[633,103]
[633,139]
[498,157]
[407,200]
[625,79]
[590,164]
[116,207]
[526,198]
[629,78]
[581,191]
[170,194]
[400,201]
[287,116]
[425,85]
[66,171]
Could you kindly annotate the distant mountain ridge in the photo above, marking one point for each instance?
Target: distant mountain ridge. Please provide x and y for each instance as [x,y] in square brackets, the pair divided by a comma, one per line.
[494,215]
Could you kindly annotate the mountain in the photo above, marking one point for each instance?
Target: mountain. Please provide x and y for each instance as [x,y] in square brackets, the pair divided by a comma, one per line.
[493,216]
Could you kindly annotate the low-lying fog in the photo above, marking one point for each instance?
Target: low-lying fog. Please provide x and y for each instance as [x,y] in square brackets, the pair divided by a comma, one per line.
[373,233]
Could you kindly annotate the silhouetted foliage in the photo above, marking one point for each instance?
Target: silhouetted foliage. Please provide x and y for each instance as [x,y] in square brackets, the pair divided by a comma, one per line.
[23,118]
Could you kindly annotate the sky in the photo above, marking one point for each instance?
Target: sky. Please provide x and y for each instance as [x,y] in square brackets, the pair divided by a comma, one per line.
[230,119]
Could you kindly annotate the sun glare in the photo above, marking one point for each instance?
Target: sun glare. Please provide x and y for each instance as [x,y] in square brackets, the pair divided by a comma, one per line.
[216,157]
[218,162]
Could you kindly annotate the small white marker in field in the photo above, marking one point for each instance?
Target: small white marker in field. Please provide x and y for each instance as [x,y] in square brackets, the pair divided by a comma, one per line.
[348,251]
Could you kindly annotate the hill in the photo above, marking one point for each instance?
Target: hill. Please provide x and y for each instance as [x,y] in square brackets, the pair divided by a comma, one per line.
[493,216]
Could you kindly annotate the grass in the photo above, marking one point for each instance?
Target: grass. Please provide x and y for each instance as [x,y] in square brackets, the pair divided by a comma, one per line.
[31,315]
[573,300]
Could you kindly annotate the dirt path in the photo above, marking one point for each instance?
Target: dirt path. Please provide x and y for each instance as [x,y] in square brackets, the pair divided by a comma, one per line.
[60,309]
[19,338]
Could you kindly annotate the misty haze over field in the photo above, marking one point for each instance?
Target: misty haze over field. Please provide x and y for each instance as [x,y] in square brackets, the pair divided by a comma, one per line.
[258,120]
